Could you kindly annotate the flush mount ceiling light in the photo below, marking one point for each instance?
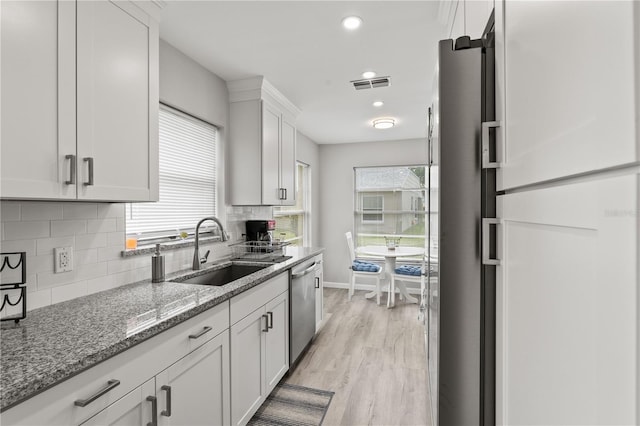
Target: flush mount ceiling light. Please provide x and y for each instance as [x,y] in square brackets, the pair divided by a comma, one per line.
[352,22]
[384,123]
[368,74]
[378,104]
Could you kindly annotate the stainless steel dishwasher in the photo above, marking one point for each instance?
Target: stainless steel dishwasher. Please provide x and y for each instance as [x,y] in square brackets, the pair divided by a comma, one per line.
[302,307]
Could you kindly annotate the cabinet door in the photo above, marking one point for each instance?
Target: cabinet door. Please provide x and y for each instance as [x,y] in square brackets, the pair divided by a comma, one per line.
[247,366]
[319,278]
[38,99]
[196,389]
[567,304]
[277,341]
[569,105]
[271,193]
[288,162]
[133,409]
[117,99]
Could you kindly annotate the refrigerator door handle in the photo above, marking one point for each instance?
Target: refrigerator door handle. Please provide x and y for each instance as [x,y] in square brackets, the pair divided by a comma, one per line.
[486,241]
[486,150]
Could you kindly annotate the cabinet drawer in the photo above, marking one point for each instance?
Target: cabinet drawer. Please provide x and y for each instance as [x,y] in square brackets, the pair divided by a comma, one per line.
[56,406]
[252,299]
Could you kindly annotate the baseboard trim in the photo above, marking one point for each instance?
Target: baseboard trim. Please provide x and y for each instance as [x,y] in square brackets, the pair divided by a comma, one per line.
[367,287]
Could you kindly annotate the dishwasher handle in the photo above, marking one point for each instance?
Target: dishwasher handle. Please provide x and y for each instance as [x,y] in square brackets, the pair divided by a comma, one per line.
[305,272]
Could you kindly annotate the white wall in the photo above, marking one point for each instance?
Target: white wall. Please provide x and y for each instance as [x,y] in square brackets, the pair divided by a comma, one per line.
[336,192]
[96,231]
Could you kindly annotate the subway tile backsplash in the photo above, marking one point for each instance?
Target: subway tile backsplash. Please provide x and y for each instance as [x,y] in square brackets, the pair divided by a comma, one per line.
[96,232]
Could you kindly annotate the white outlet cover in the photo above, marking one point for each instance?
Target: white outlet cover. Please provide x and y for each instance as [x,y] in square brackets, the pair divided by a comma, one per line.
[63,259]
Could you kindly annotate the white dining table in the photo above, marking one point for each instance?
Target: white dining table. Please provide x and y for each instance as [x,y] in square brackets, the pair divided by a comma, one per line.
[390,256]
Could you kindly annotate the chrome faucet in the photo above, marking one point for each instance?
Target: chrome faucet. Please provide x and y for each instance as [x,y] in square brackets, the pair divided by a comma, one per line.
[196,254]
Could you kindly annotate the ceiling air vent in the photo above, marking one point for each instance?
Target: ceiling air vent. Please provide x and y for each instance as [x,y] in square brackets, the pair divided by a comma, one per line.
[371,83]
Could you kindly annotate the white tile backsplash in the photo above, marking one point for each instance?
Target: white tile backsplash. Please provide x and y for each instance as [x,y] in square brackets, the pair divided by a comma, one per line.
[60,228]
[68,291]
[28,246]
[80,211]
[10,211]
[102,225]
[91,241]
[96,232]
[41,211]
[26,230]
[46,245]
[110,210]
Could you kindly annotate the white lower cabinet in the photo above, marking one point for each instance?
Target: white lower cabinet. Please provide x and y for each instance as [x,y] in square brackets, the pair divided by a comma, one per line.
[259,345]
[195,390]
[567,304]
[134,409]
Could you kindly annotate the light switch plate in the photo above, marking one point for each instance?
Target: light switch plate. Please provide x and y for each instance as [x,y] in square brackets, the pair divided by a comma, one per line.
[63,259]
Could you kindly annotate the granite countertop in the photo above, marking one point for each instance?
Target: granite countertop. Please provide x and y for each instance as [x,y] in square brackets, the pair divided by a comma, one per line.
[59,341]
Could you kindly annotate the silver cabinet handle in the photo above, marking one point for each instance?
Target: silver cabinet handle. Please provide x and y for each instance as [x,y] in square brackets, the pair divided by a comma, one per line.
[285,193]
[317,282]
[72,169]
[89,160]
[111,384]
[486,150]
[266,323]
[270,320]
[198,335]
[486,241]
[167,412]
[154,411]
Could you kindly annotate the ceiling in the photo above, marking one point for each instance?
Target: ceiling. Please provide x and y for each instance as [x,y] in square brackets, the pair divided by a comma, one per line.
[302,49]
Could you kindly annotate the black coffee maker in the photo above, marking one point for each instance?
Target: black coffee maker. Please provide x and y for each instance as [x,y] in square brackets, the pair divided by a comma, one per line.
[260,230]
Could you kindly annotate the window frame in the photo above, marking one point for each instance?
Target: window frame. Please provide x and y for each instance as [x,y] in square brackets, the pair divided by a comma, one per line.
[208,230]
[377,212]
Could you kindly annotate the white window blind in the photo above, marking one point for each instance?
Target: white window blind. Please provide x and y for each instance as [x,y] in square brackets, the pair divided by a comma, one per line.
[188,183]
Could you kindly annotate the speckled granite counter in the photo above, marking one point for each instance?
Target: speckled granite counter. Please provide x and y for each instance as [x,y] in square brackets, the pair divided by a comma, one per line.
[57,342]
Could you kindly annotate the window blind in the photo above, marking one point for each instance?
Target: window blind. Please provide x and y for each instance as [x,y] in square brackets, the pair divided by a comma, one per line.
[187,178]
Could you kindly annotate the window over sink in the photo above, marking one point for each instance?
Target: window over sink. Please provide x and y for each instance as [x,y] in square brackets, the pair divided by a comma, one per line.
[187,181]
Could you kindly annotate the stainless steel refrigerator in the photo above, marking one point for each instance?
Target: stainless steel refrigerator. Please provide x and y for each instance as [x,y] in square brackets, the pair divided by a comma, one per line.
[460,323]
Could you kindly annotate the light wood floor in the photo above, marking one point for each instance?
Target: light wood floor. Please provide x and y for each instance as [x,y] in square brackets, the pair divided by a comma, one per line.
[372,358]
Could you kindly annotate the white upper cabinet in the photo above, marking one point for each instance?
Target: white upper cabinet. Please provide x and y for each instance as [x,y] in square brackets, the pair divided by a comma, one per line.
[38,80]
[79,101]
[567,88]
[117,48]
[262,148]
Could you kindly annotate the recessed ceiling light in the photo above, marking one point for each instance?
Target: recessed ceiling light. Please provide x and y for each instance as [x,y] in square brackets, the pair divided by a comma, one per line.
[384,123]
[378,104]
[352,22]
[368,74]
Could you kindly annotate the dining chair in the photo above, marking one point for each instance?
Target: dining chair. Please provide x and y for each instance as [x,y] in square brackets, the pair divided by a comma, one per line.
[362,269]
[408,273]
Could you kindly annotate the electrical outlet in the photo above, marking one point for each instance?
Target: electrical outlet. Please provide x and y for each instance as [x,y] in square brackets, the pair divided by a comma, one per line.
[63,259]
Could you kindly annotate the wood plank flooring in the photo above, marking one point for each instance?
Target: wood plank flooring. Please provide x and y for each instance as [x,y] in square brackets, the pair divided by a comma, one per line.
[373,358]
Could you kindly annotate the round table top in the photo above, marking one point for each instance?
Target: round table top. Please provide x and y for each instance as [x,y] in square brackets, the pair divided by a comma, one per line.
[384,251]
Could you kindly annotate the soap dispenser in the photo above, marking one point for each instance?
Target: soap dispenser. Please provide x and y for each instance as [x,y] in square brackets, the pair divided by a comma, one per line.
[157,266]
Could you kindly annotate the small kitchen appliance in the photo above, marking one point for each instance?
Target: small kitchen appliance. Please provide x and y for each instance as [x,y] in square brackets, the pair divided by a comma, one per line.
[260,230]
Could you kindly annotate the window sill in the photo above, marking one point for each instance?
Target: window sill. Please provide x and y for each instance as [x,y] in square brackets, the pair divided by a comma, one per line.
[170,245]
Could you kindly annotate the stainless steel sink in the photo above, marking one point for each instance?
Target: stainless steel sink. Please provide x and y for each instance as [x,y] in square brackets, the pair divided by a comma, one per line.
[224,275]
